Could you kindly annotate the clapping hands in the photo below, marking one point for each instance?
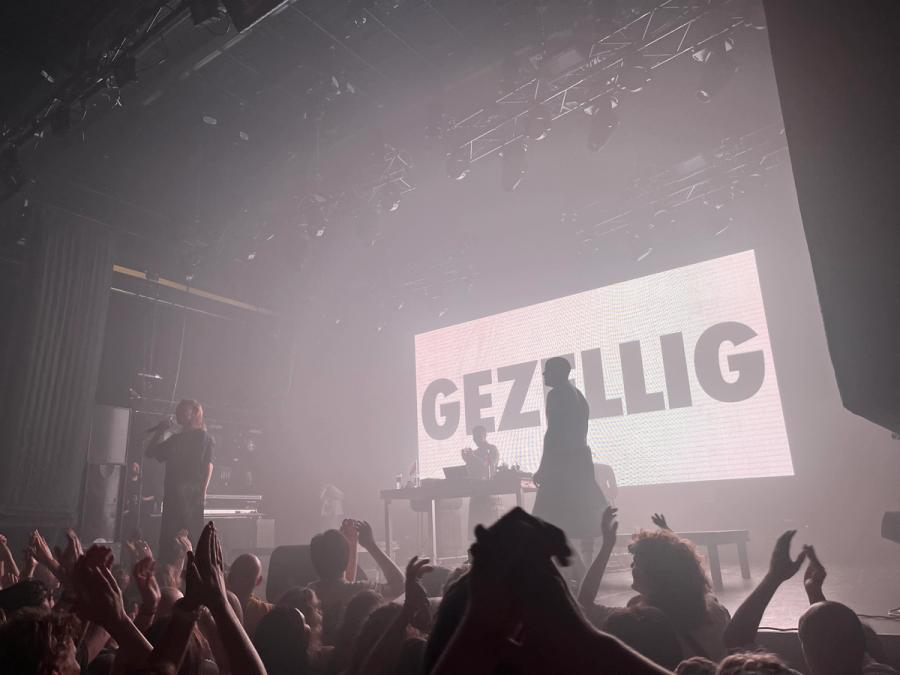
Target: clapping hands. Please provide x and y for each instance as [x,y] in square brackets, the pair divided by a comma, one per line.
[98,597]
[782,567]
[138,549]
[146,583]
[814,577]
[68,557]
[183,541]
[659,520]
[41,552]
[205,573]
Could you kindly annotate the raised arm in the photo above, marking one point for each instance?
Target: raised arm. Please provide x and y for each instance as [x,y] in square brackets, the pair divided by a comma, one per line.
[392,574]
[741,632]
[173,646]
[157,448]
[814,577]
[351,534]
[99,600]
[205,584]
[40,549]
[382,660]
[10,568]
[147,586]
[609,527]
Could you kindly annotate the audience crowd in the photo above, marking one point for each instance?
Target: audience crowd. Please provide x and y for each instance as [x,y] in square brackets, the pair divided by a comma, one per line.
[509,610]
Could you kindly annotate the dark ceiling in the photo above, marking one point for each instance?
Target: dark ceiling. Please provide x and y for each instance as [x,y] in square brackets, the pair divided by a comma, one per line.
[227,141]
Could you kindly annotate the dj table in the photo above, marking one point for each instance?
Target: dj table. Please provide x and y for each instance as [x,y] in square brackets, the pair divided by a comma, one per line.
[434,490]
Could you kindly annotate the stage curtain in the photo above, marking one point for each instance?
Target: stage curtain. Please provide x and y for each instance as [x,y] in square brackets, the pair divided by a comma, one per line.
[51,377]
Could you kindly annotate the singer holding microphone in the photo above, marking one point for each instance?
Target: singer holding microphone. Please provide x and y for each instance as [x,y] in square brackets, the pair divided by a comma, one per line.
[188,455]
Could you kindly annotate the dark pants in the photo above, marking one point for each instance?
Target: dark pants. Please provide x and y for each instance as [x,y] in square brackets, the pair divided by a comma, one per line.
[184,516]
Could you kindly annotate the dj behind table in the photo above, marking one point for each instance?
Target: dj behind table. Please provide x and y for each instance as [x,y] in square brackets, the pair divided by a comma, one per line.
[456,484]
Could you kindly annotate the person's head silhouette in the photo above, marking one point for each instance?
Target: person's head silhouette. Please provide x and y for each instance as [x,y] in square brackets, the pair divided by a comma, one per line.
[556,371]
[479,435]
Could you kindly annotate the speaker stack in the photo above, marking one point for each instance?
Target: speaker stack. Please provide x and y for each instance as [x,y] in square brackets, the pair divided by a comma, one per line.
[105,474]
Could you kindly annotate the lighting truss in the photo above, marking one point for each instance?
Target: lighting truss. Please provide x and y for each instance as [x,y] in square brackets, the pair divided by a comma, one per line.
[395,176]
[652,40]
[713,179]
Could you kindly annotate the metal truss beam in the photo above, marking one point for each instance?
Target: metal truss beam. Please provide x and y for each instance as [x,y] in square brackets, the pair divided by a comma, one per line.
[647,43]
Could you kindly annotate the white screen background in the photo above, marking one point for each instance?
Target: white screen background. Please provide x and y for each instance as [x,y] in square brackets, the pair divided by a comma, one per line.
[710,440]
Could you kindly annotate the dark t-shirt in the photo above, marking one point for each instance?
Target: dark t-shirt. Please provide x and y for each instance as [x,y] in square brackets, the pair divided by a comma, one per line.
[334,598]
[187,456]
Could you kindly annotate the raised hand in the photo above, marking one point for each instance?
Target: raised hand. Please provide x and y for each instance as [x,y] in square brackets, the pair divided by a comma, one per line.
[146,583]
[70,555]
[142,550]
[782,567]
[183,541]
[205,573]
[814,577]
[659,520]
[609,526]
[29,564]
[415,603]
[348,529]
[98,596]
[41,551]
[365,534]
[7,564]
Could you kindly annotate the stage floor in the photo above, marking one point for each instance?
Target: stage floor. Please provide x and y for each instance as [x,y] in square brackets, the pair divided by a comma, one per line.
[871,590]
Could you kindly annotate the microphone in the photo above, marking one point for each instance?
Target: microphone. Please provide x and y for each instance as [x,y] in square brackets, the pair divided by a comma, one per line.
[162,425]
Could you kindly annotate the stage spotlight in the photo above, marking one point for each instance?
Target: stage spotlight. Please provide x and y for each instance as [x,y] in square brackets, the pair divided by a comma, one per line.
[537,123]
[717,68]
[604,120]
[514,164]
[458,164]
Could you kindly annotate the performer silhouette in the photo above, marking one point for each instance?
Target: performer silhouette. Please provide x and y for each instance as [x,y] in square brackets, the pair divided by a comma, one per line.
[568,495]
[188,455]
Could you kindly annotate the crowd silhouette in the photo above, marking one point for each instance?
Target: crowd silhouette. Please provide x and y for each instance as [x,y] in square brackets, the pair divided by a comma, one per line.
[508,610]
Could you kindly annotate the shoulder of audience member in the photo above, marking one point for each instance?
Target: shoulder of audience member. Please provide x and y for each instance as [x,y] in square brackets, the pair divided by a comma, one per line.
[872,667]
[716,609]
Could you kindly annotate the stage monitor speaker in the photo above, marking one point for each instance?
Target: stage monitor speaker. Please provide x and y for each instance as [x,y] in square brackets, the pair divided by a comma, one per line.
[840,102]
[109,435]
[890,526]
[101,502]
[245,534]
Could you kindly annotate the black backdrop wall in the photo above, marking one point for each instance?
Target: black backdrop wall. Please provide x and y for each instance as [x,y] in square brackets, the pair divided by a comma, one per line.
[840,101]
[51,378]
